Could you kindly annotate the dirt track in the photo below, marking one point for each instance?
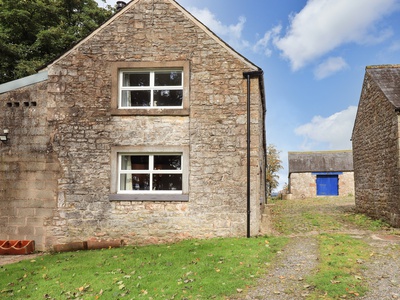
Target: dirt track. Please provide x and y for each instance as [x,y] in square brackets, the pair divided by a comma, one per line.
[285,278]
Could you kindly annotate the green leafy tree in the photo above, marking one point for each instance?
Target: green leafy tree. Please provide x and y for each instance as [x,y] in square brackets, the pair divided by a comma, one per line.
[274,164]
[34,32]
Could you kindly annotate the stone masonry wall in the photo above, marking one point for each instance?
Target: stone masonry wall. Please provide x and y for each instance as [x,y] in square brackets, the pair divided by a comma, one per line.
[304,185]
[376,155]
[346,184]
[79,98]
[28,167]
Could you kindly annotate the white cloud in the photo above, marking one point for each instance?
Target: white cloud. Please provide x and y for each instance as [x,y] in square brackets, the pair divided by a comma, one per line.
[231,33]
[329,67]
[323,25]
[265,41]
[334,130]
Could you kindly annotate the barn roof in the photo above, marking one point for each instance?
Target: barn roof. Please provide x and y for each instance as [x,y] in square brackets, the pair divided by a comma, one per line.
[321,161]
[387,77]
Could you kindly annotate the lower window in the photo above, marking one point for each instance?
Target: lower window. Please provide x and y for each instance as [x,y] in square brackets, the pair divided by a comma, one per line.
[150,172]
[153,173]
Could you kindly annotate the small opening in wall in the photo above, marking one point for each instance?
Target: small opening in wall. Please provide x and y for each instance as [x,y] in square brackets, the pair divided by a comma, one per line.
[33,103]
[9,104]
[26,103]
[16,104]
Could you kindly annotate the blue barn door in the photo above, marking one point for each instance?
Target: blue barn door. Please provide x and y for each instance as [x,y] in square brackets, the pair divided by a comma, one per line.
[327,185]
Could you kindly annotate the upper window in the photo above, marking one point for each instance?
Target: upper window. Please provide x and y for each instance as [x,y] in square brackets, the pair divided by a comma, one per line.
[151,89]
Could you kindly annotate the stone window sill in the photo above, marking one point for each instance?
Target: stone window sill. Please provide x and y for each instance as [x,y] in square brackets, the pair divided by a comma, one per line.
[149,112]
[149,197]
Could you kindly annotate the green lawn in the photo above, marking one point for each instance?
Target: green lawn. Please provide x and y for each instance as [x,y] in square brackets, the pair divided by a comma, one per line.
[195,269]
[338,275]
[203,269]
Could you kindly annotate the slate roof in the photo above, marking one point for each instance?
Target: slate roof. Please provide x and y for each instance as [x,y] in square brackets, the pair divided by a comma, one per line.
[321,161]
[387,77]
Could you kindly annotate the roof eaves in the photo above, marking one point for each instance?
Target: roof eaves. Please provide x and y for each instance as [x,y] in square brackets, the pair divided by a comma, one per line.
[390,89]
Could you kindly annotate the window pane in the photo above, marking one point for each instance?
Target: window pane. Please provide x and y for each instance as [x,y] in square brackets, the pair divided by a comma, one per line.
[135,98]
[167,162]
[167,182]
[168,98]
[134,162]
[173,78]
[136,79]
[134,182]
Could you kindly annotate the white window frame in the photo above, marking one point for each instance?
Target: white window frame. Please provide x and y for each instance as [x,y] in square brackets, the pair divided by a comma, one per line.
[151,171]
[117,67]
[116,194]
[152,87]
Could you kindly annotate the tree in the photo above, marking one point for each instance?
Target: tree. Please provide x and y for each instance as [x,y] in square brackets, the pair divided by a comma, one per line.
[34,32]
[274,164]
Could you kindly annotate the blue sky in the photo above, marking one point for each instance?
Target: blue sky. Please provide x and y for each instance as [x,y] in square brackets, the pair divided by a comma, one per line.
[313,54]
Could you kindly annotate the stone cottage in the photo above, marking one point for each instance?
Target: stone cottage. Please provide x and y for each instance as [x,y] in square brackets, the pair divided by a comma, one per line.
[376,144]
[139,132]
[320,173]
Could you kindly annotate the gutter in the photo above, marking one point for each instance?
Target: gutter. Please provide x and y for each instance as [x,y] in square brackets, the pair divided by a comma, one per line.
[248,75]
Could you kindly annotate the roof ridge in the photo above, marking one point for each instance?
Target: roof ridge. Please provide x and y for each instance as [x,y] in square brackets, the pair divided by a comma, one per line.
[386,66]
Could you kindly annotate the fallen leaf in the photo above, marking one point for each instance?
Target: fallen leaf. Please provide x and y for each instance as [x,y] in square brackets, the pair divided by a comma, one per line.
[354,293]
[335,281]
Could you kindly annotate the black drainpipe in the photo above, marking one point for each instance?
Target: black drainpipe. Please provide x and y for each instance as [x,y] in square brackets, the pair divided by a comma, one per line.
[248,76]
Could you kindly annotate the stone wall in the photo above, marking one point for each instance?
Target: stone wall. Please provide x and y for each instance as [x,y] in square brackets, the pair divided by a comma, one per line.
[304,185]
[84,130]
[376,155]
[346,184]
[28,167]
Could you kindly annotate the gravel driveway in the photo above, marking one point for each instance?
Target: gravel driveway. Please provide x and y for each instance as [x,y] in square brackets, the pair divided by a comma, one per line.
[285,277]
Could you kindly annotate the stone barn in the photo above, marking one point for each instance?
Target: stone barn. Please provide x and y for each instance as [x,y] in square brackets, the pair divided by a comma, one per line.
[139,132]
[320,173]
[376,144]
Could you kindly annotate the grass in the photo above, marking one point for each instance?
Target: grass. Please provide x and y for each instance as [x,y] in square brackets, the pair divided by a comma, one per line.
[300,216]
[338,273]
[364,222]
[341,256]
[195,269]
[319,214]
[203,269]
